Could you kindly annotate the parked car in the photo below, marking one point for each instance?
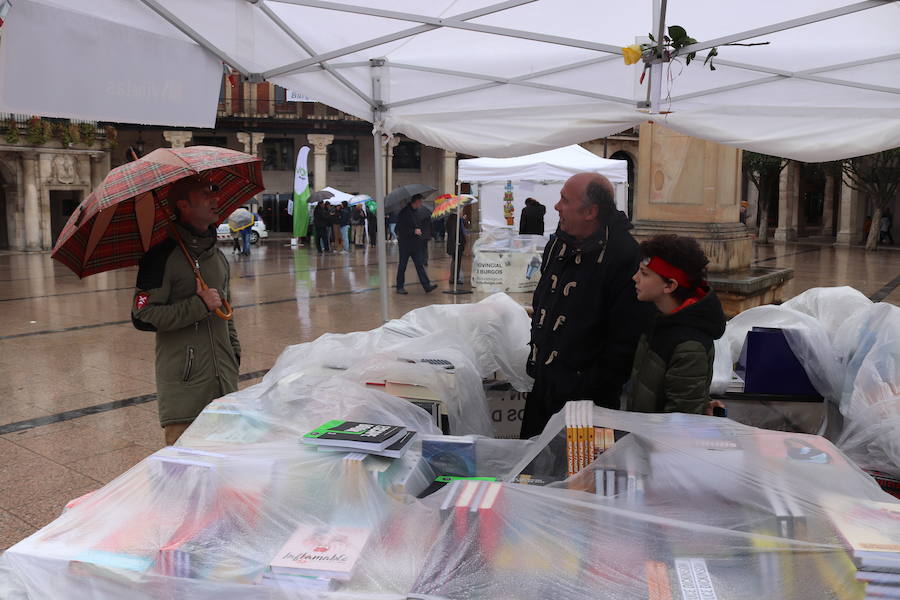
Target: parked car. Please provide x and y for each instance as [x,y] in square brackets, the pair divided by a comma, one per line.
[257,230]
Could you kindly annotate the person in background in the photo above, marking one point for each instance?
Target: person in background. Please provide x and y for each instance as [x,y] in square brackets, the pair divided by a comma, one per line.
[673,364]
[531,221]
[391,221]
[372,226]
[197,353]
[245,237]
[322,221]
[587,319]
[358,220]
[423,219]
[344,222]
[456,247]
[412,244]
[884,230]
[334,219]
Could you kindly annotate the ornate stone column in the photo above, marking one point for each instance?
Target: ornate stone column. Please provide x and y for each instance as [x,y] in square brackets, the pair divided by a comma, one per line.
[849,218]
[389,164]
[448,173]
[691,187]
[178,139]
[752,205]
[320,142]
[32,204]
[251,141]
[788,196]
[828,206]
[99,168]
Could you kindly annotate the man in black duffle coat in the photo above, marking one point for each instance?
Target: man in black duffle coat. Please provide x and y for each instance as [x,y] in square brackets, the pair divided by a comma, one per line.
[531,220]
[587,319]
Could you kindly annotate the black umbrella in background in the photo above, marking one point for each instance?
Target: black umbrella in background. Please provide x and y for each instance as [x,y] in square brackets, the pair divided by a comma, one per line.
[401,196]
[319,196]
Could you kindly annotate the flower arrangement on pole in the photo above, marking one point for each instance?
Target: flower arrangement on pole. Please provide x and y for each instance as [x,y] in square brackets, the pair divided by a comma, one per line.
[670,47]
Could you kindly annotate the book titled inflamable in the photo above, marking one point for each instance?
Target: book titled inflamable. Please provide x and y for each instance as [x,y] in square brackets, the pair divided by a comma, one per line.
[326,551]
[353,434]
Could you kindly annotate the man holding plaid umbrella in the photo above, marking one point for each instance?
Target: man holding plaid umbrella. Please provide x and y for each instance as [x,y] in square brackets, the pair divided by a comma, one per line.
[197,354]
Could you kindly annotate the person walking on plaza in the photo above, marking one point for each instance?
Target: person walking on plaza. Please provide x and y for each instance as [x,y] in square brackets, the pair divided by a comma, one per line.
[372,226]
[197,354]
[358,220]
[884,230]
[587,319]
[411,241]
[531,221]
[391,221]
[673,364]
[245,238]
[455,247]
[322,221]
[334,218]
[344,222]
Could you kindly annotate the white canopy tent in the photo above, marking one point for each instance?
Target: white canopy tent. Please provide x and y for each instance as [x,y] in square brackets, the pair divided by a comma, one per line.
[477,76]
[539,176]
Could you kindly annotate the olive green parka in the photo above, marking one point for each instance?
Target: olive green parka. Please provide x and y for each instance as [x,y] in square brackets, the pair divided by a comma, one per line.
[673,364]
[197,353]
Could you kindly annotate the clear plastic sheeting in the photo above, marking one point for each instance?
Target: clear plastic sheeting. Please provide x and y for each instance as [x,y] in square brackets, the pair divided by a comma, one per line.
[492,333]
[506,239]
[850,350]
[679,503]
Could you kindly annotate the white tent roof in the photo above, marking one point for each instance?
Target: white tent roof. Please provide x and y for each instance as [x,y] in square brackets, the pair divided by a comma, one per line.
[553,165]
[484,77]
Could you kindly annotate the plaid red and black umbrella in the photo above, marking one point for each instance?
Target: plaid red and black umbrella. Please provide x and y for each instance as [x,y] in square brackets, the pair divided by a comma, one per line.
[129,212]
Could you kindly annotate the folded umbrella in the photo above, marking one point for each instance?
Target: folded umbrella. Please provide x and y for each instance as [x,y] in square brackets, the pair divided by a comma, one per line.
[130,211]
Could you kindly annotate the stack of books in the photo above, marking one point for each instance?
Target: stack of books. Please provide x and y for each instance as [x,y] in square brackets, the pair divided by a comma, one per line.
[315,555]
[390,441]
[872,532]
[584,441]
[470,537]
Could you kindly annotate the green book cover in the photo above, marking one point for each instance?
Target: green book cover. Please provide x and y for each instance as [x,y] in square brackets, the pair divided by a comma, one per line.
[354,434]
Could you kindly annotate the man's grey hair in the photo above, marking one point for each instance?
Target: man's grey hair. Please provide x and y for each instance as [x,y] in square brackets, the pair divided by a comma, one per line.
[602,197]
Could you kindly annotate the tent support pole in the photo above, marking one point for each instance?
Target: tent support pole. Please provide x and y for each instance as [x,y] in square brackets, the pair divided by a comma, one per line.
[380,239]
[377,114]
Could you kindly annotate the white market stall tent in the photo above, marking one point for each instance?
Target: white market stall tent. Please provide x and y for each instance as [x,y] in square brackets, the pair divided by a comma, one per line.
[539,176]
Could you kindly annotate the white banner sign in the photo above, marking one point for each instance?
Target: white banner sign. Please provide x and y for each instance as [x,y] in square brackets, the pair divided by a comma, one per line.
[293,96]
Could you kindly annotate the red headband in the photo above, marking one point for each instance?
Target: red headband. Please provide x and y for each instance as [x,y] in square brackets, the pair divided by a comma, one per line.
[668,271]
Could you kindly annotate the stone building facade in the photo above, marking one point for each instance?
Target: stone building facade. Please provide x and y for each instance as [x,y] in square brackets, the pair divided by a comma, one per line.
[41,184]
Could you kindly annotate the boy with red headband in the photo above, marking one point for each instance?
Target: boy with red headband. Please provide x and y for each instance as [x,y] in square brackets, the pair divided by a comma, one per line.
[673,364]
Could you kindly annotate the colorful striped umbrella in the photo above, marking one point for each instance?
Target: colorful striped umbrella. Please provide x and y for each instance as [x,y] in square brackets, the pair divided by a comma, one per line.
[446,204]
[129,212]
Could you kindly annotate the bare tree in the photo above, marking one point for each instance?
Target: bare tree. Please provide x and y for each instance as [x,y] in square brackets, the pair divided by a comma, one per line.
[876,176]
[764,171]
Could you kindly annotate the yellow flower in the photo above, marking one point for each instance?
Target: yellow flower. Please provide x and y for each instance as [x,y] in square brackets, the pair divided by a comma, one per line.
[632,54]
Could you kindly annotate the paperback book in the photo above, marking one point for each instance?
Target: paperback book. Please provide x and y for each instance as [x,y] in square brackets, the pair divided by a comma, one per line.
[364,437]
[327,552]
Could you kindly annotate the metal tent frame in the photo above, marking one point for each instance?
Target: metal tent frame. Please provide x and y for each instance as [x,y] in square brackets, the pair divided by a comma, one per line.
[327,62]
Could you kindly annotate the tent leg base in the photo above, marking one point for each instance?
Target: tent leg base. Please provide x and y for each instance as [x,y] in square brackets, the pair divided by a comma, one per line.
[457,292]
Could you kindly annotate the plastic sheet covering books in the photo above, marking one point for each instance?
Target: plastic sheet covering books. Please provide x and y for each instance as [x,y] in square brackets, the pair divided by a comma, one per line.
[701,504]
[850,349]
